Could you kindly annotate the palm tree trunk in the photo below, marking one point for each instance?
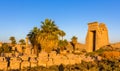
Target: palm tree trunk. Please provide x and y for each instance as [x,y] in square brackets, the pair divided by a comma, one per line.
[35,50]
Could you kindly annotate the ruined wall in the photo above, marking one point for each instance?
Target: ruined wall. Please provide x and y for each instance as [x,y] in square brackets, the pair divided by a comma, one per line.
[43,59]
[97,36]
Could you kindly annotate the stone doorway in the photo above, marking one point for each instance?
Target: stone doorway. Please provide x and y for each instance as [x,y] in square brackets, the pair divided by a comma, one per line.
[97,36]
[94,40]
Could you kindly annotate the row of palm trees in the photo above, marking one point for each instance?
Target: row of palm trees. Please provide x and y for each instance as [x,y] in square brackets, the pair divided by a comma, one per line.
[47,38]
[13,41]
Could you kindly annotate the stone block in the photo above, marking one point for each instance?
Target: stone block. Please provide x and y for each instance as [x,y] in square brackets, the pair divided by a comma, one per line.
[72,62]
[8,54]
[58,59]
[65,62]
[19,48]
[25,58]
[43,54]
[33,62]
[33,56]
[2,59]
[15,63]
[52,54]
[25,64]
[42,61]
[28,51]
[3,65]
[49,63]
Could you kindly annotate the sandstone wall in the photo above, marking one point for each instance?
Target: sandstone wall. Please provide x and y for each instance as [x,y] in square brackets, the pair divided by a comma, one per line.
[44,59]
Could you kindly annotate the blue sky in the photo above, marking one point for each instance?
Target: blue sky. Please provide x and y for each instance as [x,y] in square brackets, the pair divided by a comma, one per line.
[18,17]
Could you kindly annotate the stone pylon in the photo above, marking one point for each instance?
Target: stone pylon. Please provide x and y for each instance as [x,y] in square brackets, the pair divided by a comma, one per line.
[97,36]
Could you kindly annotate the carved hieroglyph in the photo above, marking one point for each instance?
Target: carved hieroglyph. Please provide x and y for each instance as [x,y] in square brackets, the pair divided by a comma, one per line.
[97,36]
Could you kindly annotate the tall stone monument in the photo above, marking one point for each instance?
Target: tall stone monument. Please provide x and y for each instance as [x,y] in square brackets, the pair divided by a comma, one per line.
[97,36]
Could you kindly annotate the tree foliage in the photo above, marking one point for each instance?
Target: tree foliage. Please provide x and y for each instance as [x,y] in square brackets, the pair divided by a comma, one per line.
[13,40]
[62,44]
[46,37]
[22,41]
[5,48]
[74,39]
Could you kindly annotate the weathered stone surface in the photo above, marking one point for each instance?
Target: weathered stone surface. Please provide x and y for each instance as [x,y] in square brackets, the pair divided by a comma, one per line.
[97,36]
[74,59]
[42,61]
[33,62]
[25,64]
[19,48]
[16,54]
[25,58]
[43,54]
[52,54]
[8,54]
[57,60]
[49,63]
[15,63]
[79,46]
[28,50]
[64,52]
[2,59]
[69,47]
[3,65]
[88,59]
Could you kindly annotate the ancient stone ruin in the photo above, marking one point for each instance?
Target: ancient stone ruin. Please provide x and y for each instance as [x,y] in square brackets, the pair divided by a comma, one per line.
[97,36]
[23,56]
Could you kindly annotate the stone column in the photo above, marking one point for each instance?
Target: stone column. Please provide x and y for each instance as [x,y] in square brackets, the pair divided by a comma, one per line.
[27,41]
[28,47]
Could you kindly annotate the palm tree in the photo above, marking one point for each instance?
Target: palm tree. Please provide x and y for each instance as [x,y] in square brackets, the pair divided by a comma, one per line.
[49,35]
[33,38]
[74,41]
[13,40]
[62,44]
[46,37]
[62,34]
[22,41]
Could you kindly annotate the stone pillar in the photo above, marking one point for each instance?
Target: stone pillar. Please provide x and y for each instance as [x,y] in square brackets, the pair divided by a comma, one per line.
[28,48]
[27,41]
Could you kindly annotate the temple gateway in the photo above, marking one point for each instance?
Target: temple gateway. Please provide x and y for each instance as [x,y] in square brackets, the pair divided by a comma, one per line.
[97,36]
